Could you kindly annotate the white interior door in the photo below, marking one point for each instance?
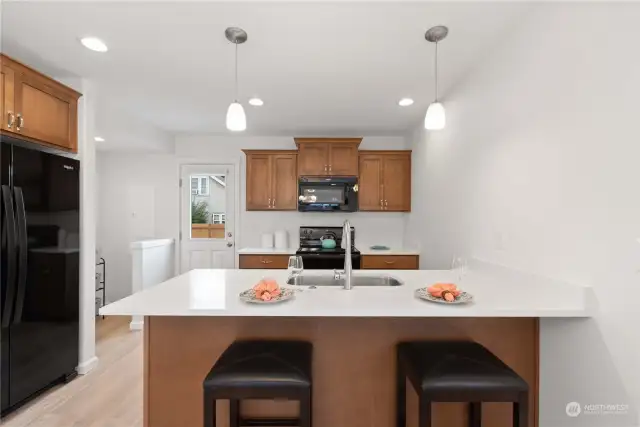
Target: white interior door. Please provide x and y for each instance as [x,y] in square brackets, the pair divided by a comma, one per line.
[207,216]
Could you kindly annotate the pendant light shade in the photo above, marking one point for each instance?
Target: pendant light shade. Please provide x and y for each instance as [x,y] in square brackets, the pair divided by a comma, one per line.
[236,119]
[435,118]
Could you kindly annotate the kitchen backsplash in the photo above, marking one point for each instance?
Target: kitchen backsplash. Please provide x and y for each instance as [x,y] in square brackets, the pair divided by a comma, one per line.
[371,227]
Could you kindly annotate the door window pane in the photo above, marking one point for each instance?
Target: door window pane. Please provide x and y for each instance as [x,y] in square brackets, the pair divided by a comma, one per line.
[208,206]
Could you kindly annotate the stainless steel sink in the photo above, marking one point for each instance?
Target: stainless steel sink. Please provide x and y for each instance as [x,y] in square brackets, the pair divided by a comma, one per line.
[315,280]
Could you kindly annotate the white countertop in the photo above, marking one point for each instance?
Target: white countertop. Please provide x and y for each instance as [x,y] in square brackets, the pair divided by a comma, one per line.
[497,294]
[267,251]
[390,251]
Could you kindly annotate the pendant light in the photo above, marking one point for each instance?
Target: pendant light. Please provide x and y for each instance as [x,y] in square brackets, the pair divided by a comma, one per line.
[435,118]
[236,119]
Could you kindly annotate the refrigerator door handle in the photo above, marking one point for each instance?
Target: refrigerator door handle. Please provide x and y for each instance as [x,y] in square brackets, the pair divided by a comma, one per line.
[9,233]
[22,251]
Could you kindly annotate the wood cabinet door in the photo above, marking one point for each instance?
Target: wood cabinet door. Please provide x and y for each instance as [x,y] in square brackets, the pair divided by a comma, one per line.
[276,262]
[284,183]
[313,159]
[258,182]
[370,183]
[47,113]
[343,159]
[7,109]
[397,182]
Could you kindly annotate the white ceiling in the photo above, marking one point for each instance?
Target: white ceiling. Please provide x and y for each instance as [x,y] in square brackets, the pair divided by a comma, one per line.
[321,68]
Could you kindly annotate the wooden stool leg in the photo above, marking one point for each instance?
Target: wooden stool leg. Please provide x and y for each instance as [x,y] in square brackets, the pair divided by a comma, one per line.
[401,396]
[424,414]
[305,411]
[209,411]
[521,411]
[234,413]
[475,414]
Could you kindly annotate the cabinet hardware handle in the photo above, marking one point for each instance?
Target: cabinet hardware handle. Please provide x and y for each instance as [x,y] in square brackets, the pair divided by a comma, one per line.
[381,204]
[20,122]
[269,203]
[329,168]
[386,203]
[10,119]
[264,261]
[325,168]
[389,262]
[273,205]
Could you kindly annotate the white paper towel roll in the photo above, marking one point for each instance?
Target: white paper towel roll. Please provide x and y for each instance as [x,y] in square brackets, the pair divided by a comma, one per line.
[282,239]
[267,240]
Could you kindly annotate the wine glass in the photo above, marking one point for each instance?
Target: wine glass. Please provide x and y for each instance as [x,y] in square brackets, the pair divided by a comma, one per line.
[295,266]
[459,267]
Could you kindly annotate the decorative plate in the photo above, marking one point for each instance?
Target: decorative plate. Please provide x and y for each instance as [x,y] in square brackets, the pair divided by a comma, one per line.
[463,298]
[250,296]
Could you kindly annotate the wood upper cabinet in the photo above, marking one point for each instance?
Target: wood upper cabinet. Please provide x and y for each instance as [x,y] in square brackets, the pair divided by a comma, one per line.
[370,183]
[45,111]
[284,182]
[7,108]
[272,180]
[385,181]
[313,159]
[328,156]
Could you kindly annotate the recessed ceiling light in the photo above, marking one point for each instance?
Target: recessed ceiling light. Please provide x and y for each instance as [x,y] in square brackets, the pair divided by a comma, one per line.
[98,139]
[405,102]
[256,102]
[94,43]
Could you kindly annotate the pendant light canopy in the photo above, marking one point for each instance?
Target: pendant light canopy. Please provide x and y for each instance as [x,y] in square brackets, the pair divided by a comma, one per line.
[236,119]
[435,119]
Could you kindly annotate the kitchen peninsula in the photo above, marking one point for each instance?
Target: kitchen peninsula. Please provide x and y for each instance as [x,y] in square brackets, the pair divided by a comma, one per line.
[191,319]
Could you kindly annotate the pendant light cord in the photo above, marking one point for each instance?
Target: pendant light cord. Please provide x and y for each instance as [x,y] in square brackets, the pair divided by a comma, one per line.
[436,66]
[236,43]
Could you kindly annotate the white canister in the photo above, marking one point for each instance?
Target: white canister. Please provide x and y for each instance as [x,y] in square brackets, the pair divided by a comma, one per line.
[267,240]
[282,239]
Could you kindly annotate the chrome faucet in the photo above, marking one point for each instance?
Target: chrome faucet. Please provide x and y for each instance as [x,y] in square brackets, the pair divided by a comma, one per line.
[346,238]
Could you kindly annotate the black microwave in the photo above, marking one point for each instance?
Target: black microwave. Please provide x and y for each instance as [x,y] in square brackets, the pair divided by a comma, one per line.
[318,194]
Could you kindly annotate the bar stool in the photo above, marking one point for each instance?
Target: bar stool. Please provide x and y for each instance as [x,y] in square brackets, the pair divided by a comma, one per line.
[457,371]
[260,370]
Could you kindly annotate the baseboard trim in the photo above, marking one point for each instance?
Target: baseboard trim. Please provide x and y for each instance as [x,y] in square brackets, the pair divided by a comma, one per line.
[87,366]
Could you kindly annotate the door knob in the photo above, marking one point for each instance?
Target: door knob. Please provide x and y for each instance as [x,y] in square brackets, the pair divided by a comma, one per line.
[229,244]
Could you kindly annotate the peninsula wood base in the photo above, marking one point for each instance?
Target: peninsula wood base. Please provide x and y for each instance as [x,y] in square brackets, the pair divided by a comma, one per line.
[353,366]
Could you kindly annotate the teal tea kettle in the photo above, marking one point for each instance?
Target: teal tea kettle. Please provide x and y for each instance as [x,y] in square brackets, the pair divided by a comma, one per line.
[328,241]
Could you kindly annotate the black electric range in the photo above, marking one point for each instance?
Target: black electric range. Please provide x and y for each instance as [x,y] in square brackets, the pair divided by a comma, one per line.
[314,257]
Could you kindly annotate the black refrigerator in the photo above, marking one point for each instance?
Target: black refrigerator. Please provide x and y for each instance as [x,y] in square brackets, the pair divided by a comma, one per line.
[40,220]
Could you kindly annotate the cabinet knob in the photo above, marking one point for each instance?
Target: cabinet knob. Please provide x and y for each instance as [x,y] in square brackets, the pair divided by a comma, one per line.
[10,119]
[20,123]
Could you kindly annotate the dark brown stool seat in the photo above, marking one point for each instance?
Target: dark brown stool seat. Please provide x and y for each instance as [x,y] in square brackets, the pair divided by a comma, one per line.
[260,370]
[457,371]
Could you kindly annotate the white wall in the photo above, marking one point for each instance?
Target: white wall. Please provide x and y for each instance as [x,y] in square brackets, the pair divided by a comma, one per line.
[538,170]
[88,184]
[159,174]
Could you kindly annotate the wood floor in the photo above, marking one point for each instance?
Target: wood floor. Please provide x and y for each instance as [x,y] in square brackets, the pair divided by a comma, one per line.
[109,396]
